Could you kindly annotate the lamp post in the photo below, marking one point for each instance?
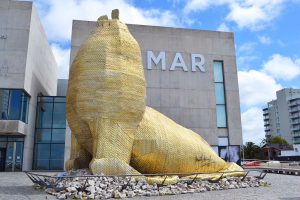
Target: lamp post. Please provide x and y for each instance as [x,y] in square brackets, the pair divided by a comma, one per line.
[268,137]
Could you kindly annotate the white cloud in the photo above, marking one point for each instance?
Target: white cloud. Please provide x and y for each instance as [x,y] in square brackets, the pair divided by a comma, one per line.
[243,62]
[247,47]
[256,87]
[189,21]
[57,15]
[247,14]
[199,5]
[62,58]
[252,125]
[265,40]
[254,15]
[223,27]
[282,67]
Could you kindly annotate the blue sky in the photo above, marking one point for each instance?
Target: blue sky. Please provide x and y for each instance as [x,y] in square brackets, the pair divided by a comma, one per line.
[267,36]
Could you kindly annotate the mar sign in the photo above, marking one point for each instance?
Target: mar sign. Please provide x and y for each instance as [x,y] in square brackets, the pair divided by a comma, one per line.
[197,61]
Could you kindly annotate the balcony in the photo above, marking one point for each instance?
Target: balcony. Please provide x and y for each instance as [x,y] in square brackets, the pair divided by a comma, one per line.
[294,102]
[296,134]
[295,116]
[294,109]
[295,121]
[267,129]
[10,127]
[296,140]
[295,128]
[265,113]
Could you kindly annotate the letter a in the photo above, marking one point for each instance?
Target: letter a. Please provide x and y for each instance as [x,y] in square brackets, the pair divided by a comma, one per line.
[181,63]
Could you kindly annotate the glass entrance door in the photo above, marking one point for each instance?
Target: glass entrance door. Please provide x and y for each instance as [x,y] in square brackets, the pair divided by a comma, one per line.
[2,159]
[14,153]
[11,153]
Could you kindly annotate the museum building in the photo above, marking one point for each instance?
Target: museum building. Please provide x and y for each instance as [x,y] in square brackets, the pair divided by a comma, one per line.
[191,77]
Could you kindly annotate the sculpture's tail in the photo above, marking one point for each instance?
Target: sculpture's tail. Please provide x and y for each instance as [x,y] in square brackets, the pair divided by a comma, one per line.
[232,169]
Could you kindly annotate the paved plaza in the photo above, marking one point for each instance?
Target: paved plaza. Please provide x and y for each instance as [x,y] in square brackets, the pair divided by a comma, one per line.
[16,186]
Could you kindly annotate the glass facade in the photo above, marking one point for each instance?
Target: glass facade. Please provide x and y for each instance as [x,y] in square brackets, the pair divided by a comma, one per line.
[220,95]
[13,104]
[50,133]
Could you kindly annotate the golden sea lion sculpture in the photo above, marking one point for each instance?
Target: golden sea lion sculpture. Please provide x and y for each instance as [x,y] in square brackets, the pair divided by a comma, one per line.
[113,131]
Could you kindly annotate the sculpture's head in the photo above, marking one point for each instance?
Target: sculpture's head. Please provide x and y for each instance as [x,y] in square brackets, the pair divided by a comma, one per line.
[104,19]
[108,71]
[111,25]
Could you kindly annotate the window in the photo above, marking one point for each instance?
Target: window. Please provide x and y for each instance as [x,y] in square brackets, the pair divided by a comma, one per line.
[50,133]
[221,116]
[13,104]
[220,95]
[44,115]
[59,115]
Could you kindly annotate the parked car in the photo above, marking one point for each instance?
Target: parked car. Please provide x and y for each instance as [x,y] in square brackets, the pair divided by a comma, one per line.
[253,163]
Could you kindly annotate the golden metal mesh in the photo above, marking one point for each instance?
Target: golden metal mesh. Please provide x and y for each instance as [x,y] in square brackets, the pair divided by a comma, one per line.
[113,132]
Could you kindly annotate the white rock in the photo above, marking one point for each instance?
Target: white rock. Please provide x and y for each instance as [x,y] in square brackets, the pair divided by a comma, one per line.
[190,190]
[98,189]
[231,186]
[116,194]
[71,189]
[91,189]
[91,182]
[144,187]
[131,194]
[244,185]
[61,196]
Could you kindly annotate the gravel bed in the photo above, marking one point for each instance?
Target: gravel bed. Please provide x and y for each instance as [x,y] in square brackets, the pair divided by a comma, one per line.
[128,187]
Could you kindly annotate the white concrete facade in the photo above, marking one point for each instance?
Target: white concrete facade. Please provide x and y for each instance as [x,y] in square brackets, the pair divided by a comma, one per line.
[186,96]
[26,62]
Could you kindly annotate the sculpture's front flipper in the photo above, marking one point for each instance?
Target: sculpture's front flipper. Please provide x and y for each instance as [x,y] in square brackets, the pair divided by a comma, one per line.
[111,166]
[112,146]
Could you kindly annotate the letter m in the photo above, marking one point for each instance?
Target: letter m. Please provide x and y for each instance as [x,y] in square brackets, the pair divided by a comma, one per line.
[160,58]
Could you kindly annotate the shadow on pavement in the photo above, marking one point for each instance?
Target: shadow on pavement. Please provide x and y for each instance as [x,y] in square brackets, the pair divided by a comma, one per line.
[20,190]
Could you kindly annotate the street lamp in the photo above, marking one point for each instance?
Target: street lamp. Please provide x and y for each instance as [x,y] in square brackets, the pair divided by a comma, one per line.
[268,137]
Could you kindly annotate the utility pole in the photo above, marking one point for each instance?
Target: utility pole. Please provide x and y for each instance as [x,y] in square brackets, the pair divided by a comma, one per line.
[268,137]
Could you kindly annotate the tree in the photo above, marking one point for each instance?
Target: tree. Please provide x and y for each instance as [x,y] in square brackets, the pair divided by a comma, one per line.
[251,151]
[278,140]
